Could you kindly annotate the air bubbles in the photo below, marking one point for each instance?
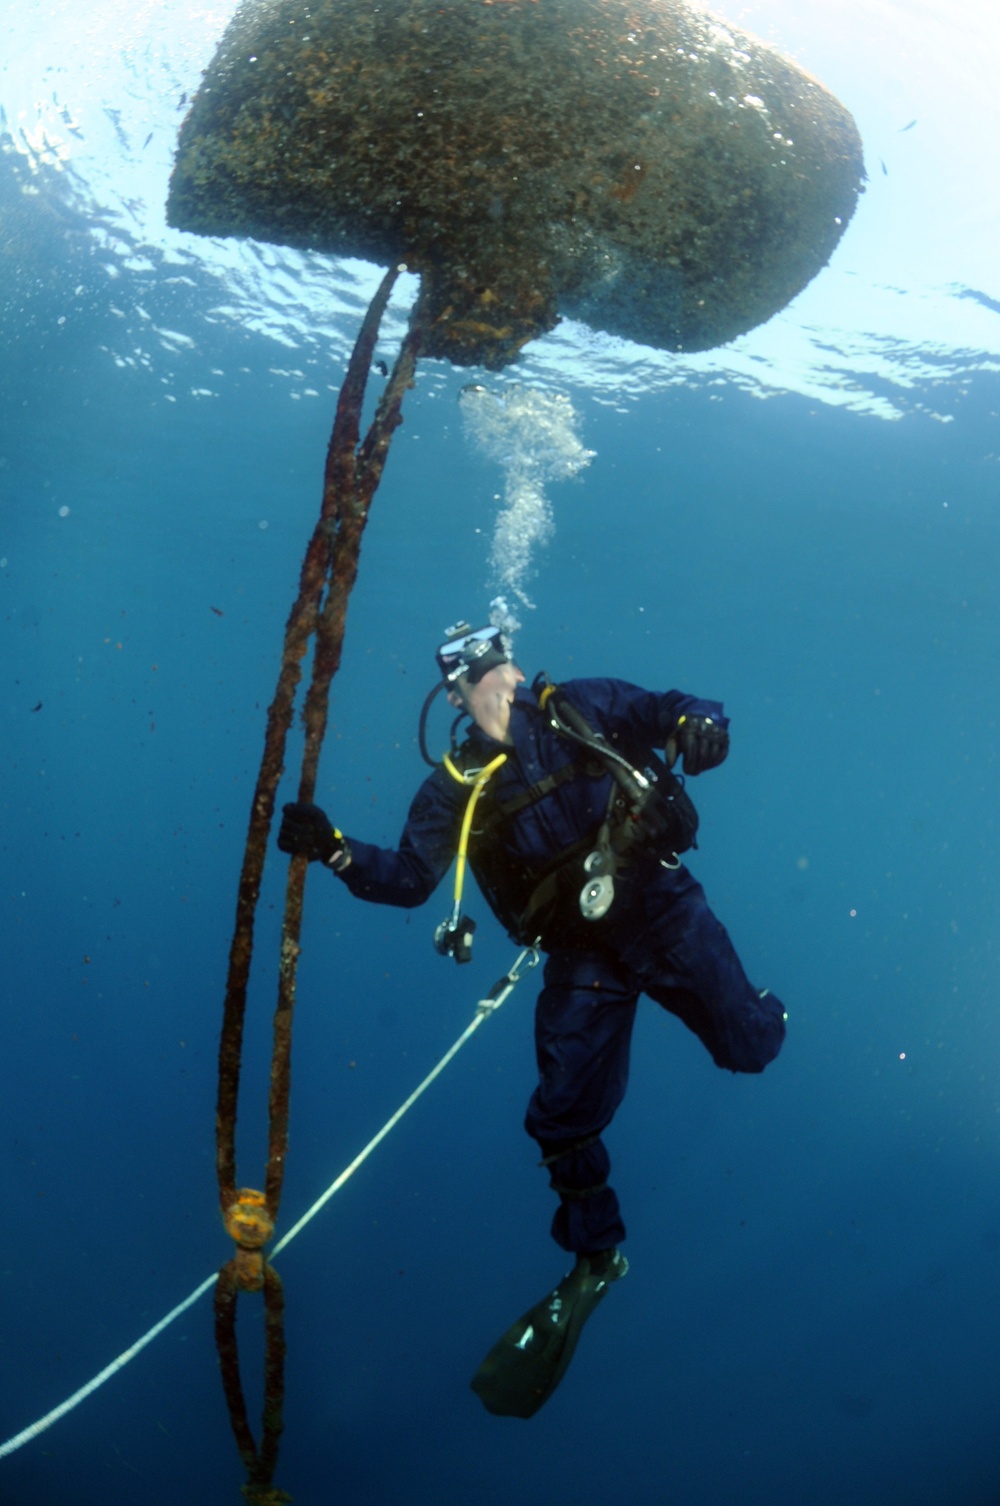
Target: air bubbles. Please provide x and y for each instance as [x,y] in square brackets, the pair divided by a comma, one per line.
[503,618]
[535,437]
[64,511]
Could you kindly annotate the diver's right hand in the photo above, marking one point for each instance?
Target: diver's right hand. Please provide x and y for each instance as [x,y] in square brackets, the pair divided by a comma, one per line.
[305,829]
[701,741]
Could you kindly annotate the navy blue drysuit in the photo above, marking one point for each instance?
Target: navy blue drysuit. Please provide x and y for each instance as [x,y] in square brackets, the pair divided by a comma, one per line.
[659,936]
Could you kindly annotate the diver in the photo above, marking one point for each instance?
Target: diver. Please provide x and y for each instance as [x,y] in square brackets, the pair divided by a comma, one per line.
[573,824]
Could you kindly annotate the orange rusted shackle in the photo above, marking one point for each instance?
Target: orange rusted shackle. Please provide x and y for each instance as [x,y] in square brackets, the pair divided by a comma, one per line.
[250,1224]
[248,1220]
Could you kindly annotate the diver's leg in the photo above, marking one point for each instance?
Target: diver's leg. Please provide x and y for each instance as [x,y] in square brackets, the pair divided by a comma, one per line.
[688,964]
[583,1029]
[583,1026]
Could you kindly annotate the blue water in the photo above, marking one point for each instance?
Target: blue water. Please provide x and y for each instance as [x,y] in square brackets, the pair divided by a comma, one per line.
[812,1310]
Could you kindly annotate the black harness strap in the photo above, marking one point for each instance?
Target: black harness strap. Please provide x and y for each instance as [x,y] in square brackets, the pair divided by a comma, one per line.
[502,808]
[551,882]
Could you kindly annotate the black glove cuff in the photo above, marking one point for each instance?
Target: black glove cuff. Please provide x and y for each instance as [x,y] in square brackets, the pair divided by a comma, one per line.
[340,852]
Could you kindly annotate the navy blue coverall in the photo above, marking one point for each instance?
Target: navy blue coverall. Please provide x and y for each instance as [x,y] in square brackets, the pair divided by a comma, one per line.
[659,937]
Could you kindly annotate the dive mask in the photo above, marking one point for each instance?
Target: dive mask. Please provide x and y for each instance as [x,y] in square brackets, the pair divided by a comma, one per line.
[472,652]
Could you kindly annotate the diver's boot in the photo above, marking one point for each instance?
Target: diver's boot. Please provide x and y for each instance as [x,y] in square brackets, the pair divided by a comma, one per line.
[523,1369]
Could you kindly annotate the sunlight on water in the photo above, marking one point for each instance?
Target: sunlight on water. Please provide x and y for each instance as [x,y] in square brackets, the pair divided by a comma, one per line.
[535,437]
[91,99]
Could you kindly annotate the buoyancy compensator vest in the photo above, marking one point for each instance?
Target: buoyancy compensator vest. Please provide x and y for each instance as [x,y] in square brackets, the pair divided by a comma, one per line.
[648,814]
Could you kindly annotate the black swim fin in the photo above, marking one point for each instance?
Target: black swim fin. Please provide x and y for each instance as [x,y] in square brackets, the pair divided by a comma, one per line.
[523,1369]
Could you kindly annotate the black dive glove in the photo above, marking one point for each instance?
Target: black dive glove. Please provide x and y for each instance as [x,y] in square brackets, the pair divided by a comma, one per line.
[667,822]
[702,743]
[305,829]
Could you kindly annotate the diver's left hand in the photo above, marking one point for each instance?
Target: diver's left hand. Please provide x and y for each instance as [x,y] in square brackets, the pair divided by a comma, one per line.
[306,829]
[700,741]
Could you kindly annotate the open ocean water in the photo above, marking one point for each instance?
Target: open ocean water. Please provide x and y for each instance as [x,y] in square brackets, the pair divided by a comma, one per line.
[804,525]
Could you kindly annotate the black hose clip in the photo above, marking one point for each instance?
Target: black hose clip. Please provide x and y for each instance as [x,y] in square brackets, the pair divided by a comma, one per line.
[453,938]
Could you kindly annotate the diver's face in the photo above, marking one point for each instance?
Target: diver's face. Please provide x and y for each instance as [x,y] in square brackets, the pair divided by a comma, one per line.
[488,701]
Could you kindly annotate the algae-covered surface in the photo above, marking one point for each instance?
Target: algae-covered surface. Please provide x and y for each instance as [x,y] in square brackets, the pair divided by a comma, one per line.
[637,164]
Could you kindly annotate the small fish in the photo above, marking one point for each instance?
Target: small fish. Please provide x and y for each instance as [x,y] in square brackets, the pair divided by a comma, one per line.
[217,612]
[907,127]
[147,141]
[68,121]
[381,368]
[115,117]
[38,707]
[884,168]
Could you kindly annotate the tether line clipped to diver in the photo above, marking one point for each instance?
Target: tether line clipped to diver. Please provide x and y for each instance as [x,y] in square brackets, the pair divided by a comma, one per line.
[497,995]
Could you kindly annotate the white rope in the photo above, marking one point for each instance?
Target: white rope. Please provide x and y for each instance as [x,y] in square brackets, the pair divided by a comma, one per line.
[26,1435]
[484,1009]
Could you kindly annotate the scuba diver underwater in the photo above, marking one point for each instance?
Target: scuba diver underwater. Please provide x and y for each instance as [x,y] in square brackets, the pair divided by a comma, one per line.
[562,801]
